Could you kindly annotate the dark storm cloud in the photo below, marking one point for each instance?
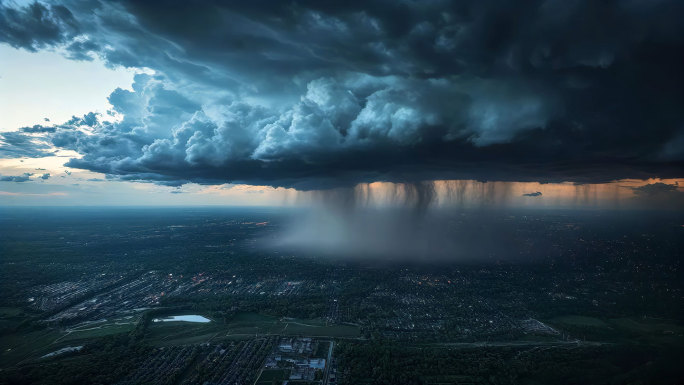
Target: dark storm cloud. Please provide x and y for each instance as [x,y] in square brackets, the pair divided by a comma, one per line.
[16,178]
[38,128]
[16,145]
[36,25]
[659,194]
[314,94]
[655,189]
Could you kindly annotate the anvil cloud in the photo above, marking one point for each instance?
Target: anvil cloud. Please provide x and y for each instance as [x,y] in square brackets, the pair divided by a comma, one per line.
[320,94]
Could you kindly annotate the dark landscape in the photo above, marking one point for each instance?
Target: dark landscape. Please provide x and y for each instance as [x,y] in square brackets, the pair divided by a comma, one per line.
[84,290]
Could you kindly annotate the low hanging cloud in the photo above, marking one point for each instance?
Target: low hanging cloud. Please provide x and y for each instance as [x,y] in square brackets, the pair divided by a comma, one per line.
[656,189]
[316,95]
[534,194]
[659,194]
[25,177]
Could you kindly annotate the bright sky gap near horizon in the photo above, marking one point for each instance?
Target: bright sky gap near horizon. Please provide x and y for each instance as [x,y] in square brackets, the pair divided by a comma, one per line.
[176,122]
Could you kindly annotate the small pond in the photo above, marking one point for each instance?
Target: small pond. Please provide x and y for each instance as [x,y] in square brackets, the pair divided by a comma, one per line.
[185,318]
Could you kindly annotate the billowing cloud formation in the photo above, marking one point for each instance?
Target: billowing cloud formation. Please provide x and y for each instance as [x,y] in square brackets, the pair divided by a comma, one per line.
[36,26]
[311,94]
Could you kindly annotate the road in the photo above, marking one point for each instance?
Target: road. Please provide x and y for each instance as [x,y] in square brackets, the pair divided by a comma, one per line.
[517,344]
[328,363]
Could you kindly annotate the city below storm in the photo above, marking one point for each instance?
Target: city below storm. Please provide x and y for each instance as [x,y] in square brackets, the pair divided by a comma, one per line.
[369,192]
[190,296]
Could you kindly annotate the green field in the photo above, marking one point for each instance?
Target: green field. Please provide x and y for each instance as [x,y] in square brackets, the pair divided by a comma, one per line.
[242,325]
[17,347]
[8,312]
[11,317]
[628,329]
[320,331]
[578,320]
[322,349]
[32,344]
[647,325]
[268,376]
[631,325]
[251,323]
[172,333]
[650,331]
[94,330]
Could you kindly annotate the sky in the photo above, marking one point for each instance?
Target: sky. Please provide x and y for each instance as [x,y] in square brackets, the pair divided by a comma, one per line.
[530,103]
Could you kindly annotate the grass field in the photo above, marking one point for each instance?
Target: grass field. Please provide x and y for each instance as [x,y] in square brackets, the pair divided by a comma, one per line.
[99,329]
[579,320]
[268,376]
[628,329]
[630,324]
[251,323]
[322,349]
[650,331]
[11,317]
[33,344]
[242,325]
[647,325]
[320,331]
[27,345]
[180,333]
[7,312]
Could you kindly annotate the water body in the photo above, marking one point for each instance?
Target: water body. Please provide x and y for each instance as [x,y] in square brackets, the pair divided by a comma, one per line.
[185,318]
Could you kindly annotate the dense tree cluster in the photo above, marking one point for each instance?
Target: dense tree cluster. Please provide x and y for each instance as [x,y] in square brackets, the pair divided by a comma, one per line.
[385,362]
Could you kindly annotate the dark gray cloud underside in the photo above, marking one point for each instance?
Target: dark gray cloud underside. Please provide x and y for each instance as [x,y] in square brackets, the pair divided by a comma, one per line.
[312,94]
[25,177]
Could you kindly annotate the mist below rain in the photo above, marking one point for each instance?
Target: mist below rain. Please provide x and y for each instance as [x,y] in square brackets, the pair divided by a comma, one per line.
[463,221]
